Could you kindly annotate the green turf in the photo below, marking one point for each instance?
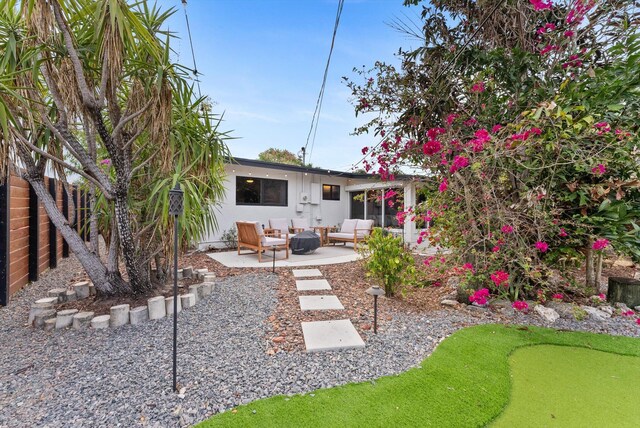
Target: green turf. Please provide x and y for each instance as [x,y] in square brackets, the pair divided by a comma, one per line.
[465,382]
[572,387]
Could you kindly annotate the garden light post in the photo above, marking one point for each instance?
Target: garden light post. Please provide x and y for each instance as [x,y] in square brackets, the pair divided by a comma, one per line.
[176,207]
[375,291]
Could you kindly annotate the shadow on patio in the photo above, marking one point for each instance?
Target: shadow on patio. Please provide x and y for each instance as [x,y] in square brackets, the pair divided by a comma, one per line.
[322,256]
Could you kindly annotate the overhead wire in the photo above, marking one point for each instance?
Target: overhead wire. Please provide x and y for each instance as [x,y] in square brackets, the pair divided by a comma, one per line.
[316,114]
[193,53]
[445,69]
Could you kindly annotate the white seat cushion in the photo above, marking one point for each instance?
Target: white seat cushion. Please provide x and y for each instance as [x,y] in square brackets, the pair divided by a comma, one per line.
[282,224]
[300,223]
[348,225]
[340,235]
[269,241]
[364,225]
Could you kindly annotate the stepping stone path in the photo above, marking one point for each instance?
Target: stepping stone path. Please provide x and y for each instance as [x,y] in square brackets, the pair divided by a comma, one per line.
[324,335]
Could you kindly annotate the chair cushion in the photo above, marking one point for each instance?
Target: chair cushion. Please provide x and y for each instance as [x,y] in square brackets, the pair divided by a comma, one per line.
[348,225]
[340,235]
[282,224]
[269,241]
[300,223]
[260,231]
[364,225]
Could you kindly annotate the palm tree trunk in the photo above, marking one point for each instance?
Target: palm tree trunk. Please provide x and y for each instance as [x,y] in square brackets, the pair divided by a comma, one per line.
[138,277]
[90,262]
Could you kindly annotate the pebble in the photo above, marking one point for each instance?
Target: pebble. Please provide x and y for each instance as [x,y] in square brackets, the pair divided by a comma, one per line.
[122,377]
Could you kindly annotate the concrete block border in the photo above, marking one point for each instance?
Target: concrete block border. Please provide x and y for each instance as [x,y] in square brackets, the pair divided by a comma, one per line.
[43,313]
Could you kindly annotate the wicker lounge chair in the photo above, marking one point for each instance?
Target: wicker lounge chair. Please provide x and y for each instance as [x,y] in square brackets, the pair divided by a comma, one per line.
[253,237]
[352,230]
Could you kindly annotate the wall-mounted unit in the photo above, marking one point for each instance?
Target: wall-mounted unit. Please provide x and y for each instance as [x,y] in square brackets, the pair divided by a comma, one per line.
[304,198]
[315,193]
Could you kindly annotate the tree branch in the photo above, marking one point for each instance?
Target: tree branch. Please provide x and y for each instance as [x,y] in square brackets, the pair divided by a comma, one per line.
[118,129]
[87,97]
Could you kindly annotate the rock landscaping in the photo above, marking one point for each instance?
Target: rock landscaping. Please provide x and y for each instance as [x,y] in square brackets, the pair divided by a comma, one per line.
[244,342]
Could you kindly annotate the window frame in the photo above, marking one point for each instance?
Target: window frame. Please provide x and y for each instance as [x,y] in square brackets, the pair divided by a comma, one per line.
[262,190]
[332,188]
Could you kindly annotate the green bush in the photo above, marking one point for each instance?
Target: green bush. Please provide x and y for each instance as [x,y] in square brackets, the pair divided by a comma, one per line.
[387,261]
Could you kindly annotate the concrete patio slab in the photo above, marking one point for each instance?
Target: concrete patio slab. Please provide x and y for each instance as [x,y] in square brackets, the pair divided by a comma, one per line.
[330,335]
[322,256]
[312,284]
[305,273]
[319,303]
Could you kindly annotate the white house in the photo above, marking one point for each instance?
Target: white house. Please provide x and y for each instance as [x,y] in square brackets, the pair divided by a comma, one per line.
[258,190]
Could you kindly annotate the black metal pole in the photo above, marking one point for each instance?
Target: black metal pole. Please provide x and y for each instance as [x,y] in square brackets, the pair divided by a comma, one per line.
[175,299]
[375,314]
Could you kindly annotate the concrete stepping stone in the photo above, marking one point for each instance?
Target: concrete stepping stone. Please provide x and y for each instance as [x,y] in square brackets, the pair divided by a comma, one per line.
[312,284]
[330,335]
[319,303]
[304,273]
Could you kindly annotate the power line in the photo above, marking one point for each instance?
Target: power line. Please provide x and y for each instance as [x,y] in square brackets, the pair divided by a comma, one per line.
[316,114]
[193,54]
[446,68]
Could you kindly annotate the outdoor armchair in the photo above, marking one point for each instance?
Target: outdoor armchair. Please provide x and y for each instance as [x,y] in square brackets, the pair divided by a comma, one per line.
[251,236]
[352,230]
[300,225]
[279,225]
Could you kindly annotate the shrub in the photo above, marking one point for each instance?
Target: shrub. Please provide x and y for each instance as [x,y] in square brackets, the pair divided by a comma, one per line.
[230,238]
[387,261]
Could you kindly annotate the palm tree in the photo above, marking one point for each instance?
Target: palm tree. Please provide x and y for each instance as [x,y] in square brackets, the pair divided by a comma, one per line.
[87,81]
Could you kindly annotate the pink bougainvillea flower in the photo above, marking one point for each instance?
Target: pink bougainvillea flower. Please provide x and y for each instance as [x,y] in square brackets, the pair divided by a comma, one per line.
[105,162]
[542,246]
[480,297]
[401,217]
[434,132]
[602,127]
[600,244]
[431,147]
[428,260]
[469,267]
[437,284]
[459,162]
[548,49]
[557,296]
[451,118]
[478,87]
[563,233]
[638,321]
[628,313]
[520,305]
[443,185]
[496,128]
[470,122]
[602,297]
[507,229]
[499,278]
[599,169]
[569,33]
[365,150]
[541,4]
[495,249]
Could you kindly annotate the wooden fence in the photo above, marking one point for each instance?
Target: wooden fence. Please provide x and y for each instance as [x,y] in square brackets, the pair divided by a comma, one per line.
[29,242]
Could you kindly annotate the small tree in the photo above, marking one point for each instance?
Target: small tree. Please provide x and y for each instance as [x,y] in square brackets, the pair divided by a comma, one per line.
[280,156]
[88,88]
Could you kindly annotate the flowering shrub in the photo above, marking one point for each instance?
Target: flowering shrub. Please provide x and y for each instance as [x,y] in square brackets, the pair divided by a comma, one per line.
[480,297]
[520,305]
[534,158]
[558,297]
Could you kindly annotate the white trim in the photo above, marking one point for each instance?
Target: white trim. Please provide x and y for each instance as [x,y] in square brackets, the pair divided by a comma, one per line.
[372,186]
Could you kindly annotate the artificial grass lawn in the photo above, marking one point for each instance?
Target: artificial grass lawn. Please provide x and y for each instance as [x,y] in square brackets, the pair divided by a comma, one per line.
[572,387]
[465,382]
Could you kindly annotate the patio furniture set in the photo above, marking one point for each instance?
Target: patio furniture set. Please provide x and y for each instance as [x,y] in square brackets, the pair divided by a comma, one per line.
[304,239]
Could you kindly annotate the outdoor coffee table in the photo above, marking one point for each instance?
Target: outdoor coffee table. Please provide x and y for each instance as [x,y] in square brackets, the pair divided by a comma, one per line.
[304,242]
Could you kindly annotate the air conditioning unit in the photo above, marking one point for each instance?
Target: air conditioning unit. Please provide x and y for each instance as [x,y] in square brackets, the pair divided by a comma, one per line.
[304,198]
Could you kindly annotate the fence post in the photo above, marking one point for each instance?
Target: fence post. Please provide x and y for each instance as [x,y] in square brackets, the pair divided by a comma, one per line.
[34,234]
[65,212]
[5,206]
[53,231]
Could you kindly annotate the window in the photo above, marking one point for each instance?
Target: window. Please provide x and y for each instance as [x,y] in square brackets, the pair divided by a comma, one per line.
[330,192]
[261,191]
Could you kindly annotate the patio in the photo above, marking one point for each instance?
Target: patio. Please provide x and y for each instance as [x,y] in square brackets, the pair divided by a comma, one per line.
[322,256]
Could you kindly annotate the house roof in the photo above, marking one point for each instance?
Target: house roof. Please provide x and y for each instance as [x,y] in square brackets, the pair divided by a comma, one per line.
[311,170]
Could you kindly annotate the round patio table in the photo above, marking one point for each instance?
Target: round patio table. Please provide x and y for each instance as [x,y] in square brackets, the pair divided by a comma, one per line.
[304,242]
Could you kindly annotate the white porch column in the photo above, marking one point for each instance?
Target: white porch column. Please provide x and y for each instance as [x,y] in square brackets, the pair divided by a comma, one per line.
[409,201]
[382,192]
[365,204]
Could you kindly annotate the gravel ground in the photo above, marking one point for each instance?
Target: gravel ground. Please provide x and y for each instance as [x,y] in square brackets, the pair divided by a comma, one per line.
[123,377]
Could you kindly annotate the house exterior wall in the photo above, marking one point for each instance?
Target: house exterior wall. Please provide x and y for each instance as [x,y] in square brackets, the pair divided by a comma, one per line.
[325,212]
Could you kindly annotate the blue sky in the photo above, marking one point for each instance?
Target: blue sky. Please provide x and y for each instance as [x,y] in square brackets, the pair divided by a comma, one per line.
[263,60]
